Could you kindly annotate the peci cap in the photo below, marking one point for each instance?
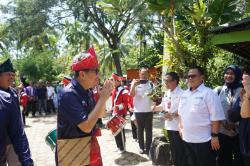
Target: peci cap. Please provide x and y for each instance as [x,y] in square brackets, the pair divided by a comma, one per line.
[66,80]
[85,61]
[6,66]
[117,77]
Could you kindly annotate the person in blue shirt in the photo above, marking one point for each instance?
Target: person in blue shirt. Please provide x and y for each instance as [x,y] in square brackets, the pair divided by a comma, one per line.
[11,124]
[78,112]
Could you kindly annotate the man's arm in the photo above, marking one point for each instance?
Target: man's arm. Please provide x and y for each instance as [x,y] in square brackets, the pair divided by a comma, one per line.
[96,113]
[132,90]
[216,116]
[180,125]
[214,139]
[133,85]
[157,108]
[18,138]
[245,107]
[99,109]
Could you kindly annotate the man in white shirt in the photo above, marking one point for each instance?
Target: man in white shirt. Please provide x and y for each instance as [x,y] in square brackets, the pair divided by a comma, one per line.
[200,113]
[50,94]
[140,90]
[169,106]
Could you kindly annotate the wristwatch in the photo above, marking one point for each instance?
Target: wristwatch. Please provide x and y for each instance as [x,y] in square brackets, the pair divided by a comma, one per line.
[214,134]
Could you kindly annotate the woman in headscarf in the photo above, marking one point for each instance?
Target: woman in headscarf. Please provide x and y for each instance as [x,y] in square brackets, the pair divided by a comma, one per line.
[229,94]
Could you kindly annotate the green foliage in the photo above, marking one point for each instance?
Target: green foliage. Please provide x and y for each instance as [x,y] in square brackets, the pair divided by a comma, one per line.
[107,65]
[122,31]
[151,56]
[223,11]
[29,18]
[37,66]
[188,35]
[42,65]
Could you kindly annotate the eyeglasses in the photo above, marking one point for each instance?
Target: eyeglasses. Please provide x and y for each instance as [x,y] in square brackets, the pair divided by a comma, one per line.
[192,76]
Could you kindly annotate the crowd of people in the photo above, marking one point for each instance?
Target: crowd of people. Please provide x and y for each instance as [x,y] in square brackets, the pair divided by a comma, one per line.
[205,127]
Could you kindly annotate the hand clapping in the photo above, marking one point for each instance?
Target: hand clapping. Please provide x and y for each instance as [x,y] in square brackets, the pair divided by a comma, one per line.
[107,89]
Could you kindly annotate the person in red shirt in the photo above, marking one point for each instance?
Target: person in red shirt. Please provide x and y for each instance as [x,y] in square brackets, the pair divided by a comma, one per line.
[120,99]
[23,102]
[96,96]
[131,113]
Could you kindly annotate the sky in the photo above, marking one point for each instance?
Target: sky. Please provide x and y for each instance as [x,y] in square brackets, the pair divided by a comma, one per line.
[3,2]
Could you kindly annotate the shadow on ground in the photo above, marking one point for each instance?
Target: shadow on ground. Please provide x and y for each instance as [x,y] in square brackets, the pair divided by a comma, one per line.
[130,158]
[44,119]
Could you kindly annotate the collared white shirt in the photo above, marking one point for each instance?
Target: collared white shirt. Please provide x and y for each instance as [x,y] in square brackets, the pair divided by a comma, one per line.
[227,101]
[50,91]
[197,109]
[142,102]
[170,103]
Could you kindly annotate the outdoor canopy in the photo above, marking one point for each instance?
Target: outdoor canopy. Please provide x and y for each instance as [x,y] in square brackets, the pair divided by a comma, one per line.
[234,37]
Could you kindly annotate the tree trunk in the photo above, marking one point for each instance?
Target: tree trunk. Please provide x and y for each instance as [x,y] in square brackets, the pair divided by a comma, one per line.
[116,57]
[116,54]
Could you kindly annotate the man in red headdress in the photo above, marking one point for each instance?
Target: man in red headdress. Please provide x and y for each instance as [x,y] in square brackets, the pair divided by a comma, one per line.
[120,100]
[66,80]
[78,113]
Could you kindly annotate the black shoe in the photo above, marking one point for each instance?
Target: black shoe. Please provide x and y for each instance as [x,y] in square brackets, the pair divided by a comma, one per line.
[135,140]
[141,151]
[121,151]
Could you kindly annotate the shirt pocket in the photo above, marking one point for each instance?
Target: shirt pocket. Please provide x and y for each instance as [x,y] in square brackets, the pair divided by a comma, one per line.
[182,101]
[198,105]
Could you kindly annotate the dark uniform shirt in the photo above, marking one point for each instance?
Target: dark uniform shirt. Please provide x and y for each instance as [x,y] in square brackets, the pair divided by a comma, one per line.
[41,92]
[11,125]
[75,105]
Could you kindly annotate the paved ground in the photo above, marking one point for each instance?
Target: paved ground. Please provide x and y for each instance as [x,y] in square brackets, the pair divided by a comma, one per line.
[39,127]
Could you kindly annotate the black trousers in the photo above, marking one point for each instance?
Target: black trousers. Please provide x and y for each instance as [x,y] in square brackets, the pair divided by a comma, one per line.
[134,128]
[23,115]
[177,148]
[51,106]
[120,139]
[200,154]
[229,153]
[144,121]
[246,160]
[31,107]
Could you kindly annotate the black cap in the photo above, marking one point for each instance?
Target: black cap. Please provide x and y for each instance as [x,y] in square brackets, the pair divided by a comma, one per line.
[6,66]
